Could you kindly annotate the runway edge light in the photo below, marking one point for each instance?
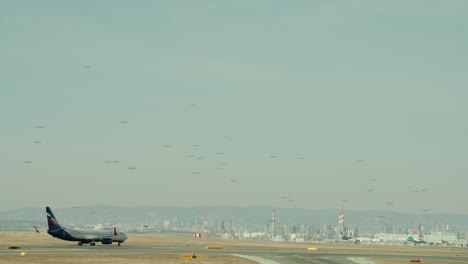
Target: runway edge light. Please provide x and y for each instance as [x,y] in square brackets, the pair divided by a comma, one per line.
[189,256]
[214,247]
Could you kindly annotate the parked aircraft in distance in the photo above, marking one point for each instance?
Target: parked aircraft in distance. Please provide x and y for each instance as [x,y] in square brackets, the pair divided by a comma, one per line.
[414,240]
[370,240]
[347,238]
[83,236]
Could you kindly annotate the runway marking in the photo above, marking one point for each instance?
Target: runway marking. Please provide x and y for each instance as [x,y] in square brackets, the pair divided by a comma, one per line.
[257,259]
[361,260]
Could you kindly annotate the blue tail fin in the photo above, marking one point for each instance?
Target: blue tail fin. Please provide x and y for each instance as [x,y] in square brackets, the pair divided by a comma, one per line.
[51,220]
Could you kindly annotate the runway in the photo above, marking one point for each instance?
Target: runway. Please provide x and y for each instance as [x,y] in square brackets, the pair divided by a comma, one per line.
[149,248]
[261,256]
[285,256]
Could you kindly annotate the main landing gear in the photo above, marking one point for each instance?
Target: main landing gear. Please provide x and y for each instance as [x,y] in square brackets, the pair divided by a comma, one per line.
[80,243]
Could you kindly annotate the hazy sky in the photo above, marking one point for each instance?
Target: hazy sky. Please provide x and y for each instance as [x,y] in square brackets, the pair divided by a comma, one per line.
[235,103]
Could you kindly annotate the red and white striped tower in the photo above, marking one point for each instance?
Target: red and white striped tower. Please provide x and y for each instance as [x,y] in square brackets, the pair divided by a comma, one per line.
[341,219]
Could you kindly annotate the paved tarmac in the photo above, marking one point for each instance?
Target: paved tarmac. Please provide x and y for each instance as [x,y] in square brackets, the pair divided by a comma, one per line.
[268,255]
[266,252]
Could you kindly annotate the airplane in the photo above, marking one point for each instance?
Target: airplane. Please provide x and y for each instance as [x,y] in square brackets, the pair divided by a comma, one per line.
[439,243]
[39,231]
[414,240]
[347,238]
[83,236]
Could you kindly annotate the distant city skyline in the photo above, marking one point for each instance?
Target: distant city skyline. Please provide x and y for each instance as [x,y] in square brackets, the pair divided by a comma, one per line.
[332,104]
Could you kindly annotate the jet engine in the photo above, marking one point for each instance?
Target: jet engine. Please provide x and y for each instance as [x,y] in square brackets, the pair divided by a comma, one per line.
[107,241]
